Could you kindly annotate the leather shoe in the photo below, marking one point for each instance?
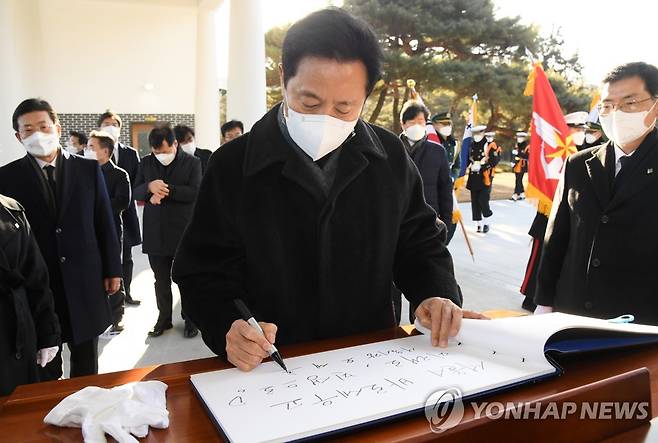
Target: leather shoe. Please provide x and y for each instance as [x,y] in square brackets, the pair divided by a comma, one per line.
[131,301]
[158,330]
[190,330]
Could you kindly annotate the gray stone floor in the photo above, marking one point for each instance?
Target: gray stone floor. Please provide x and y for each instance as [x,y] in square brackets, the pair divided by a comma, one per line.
[489,282]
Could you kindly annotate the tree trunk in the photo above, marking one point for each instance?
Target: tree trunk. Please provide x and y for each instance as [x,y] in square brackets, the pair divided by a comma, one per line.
[380,103]
[396,110]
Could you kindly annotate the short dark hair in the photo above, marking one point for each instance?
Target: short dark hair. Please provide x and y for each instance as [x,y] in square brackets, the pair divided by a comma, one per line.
[161,133]
[332,33]
[32,105]
[82,139]
[109,114]
[181,132]
[648,73]
[232,124]
[411,109]
[106,140]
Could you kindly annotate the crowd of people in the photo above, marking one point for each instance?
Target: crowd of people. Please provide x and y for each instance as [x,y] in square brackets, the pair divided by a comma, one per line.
[317,220]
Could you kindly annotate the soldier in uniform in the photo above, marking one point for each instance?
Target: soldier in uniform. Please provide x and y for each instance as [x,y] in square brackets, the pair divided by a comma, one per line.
[577,123]
[443,124]
[594,135]
[520,164]
[479,180]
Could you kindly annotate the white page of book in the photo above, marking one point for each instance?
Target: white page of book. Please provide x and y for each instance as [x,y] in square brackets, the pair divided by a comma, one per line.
[341,388]
[528,335]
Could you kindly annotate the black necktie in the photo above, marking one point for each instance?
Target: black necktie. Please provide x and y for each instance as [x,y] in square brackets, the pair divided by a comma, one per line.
[623,160]
[50,172]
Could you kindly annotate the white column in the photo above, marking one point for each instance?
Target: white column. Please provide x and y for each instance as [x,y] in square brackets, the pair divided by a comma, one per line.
[19,44]
[206,108]
[246,94]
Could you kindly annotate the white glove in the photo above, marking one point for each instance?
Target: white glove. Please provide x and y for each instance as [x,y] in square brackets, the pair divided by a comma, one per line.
[512,164]
[540,309]
[515,151]
[118,412]
[475,167]
[46,355]
[484,161]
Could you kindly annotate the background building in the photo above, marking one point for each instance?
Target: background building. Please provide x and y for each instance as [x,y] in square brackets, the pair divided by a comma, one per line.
[148,60]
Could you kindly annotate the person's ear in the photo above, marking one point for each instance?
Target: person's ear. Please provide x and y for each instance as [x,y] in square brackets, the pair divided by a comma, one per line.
[652,115]
[58,127]
[18,137]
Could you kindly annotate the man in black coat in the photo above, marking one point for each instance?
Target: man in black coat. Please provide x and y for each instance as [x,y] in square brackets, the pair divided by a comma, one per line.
[127,158]
[66,202]
[101,146]
[186,141]
[311,216]
[430,159]
[600,251]
[29,329]
[167,182]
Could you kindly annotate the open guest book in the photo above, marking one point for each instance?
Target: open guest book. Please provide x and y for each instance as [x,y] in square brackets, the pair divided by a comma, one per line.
[346,388]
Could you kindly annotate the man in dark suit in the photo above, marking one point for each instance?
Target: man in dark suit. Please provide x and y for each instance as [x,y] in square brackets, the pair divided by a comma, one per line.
[101,146]
[186,141]
[600,251]
[313,215]
[168,181]
[66,203]
[127,158]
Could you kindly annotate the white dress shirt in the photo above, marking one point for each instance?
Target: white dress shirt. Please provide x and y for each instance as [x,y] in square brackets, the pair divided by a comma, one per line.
[618,155]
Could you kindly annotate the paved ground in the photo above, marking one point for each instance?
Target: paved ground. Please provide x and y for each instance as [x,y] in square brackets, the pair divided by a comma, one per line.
[491,282]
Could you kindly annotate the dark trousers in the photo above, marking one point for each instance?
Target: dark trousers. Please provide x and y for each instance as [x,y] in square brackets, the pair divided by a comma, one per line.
[480,203]
[518,187]
[127,264]
[161,267]
[84,361]
[116,304]
[451,232]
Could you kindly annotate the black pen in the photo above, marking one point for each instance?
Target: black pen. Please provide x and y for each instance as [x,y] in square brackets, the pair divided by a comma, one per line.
[246,315]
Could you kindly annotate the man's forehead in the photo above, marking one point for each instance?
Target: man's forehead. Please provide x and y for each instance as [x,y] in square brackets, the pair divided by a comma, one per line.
[34,117]
[625,88]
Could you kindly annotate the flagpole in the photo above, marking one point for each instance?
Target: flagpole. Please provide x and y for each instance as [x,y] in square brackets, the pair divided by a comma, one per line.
[468,241]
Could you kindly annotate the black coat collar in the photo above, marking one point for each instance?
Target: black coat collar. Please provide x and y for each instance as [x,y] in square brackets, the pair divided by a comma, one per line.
[642,175]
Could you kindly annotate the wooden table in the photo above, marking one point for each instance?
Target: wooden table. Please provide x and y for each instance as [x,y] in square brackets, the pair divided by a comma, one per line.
[21,414]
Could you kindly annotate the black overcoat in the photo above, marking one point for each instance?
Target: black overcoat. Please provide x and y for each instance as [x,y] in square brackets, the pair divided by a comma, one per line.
[318,266]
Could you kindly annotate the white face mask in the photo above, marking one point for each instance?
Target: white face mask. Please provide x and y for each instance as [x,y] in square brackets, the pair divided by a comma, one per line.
[578,138]
[41,144]
[317,135]
[445,131]
[88,153]
[114,131]
[166,159]
[625,127]
[590,138]
[72,149]
[478,138]
[189,147]
[415,132]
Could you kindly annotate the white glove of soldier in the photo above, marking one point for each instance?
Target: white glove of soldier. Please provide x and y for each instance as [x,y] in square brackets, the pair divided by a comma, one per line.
[543,309]
[46,355]
[475,167]
[515,151]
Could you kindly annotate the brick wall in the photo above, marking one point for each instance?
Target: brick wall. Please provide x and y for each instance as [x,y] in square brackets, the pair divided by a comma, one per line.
[87,122]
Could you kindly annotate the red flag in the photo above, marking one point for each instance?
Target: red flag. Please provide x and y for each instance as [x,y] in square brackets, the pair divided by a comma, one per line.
[550,141]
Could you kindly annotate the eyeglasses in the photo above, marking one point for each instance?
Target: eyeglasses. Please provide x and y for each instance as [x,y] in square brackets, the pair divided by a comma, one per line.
[46,128]
[628,106]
